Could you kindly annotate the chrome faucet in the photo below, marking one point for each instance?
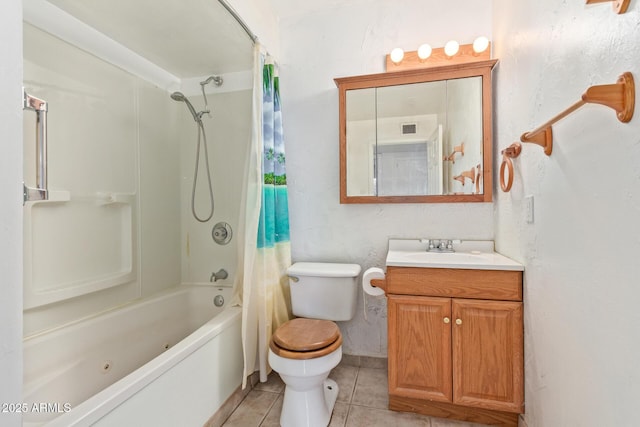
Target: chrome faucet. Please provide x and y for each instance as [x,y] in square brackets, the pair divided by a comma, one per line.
[219,275]
[441,245]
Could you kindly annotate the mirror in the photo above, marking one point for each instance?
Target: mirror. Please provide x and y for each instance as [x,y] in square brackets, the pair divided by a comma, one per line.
[417,136]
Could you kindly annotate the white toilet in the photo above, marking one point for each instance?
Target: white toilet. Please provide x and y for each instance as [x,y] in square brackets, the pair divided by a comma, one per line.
[304,350]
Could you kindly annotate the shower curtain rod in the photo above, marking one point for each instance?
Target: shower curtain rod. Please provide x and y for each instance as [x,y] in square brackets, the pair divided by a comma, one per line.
[233,13]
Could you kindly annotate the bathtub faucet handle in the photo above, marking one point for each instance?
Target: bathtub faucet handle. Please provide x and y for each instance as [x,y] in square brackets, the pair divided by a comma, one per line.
[219,275]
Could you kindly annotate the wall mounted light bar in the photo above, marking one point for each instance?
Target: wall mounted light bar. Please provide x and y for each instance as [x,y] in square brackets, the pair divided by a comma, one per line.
[451,53]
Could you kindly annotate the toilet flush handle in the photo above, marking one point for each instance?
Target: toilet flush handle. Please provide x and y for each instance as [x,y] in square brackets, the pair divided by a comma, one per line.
[294,279]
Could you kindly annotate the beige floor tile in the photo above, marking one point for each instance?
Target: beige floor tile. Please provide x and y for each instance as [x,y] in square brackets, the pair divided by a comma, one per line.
[345,376]
[339,416]
[360,416]
[253,409]
[274,384]
[371,388]
[273,417]
[373,362]
[350,360]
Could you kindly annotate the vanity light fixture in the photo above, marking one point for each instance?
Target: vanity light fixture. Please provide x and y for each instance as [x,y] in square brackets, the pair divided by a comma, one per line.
[424,52]
[451,48]
[451,53]
[480,45]
[397,55]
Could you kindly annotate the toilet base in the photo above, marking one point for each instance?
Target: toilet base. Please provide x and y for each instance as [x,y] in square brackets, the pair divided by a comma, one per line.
[310,408]
[330,394]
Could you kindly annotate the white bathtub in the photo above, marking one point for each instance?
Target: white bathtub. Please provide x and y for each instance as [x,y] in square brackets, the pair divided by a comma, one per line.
[114,370]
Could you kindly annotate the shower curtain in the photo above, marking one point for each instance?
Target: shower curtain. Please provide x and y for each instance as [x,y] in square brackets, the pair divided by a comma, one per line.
[262,286]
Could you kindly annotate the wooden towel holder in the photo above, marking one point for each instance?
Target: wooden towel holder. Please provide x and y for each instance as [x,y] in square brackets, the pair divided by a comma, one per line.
[619,96]
[511,152]
[619,6]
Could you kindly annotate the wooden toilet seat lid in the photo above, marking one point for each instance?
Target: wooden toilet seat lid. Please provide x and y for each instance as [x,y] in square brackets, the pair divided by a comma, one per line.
[306,338]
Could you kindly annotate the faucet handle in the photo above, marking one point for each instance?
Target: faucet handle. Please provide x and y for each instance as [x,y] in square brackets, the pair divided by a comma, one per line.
[450,243]
[429,243]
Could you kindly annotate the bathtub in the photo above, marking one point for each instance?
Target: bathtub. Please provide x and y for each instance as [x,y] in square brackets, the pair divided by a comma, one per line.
[169,360]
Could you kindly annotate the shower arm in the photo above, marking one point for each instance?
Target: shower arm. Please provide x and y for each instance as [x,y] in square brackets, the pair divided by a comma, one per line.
[217,80]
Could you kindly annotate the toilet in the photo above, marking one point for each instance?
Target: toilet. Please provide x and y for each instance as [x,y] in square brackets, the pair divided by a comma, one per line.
[304,350]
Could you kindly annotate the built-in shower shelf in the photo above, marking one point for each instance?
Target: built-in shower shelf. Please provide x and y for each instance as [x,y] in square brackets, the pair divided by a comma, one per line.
[101,198]
[113,198]
[99,234]
[56,196]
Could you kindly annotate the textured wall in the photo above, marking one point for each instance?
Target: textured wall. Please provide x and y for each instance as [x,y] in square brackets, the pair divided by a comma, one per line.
[351,39]
[581,270]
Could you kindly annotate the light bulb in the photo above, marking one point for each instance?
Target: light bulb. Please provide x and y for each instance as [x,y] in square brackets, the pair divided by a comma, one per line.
[480,44]
[396,55]
[451,48]
[424,51]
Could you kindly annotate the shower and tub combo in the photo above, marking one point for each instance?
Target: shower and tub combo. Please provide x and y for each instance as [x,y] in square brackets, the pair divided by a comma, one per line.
[121,323]
[169,360]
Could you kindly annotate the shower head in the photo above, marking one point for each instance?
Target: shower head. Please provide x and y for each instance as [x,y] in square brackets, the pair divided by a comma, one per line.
[179,96]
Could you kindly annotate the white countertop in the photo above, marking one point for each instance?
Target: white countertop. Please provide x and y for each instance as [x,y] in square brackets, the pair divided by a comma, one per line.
[469,254]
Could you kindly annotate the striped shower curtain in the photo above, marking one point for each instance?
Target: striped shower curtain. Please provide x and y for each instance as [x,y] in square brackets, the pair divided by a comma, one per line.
[262,285]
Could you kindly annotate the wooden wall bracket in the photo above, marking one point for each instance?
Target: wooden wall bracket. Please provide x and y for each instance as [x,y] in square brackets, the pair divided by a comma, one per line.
[543,139]
[619,6]
[471,174]
[457,149]
[619,96]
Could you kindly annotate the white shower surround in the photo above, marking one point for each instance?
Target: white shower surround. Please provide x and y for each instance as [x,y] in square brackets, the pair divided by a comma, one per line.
[261,19]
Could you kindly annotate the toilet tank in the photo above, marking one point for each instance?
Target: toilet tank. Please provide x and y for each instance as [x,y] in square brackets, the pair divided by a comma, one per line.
[326,291]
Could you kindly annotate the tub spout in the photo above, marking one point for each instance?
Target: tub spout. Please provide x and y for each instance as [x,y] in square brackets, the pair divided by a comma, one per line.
[219,275]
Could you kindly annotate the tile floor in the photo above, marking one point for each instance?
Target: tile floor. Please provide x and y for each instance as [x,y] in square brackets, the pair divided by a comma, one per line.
[362,401]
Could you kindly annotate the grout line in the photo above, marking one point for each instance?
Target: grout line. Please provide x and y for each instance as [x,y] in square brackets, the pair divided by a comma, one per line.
[346,419]
[270,408]
[355,385]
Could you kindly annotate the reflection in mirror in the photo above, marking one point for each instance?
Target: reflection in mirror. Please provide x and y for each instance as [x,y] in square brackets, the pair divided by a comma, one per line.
[406,134]
[420,139]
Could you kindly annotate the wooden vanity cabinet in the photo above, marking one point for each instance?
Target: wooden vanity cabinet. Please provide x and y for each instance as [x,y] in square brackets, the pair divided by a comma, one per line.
[456,343]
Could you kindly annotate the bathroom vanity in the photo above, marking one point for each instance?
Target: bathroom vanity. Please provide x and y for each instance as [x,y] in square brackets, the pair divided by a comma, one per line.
[455,332]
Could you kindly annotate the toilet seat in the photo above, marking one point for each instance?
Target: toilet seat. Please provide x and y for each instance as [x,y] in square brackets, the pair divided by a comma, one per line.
[306,339]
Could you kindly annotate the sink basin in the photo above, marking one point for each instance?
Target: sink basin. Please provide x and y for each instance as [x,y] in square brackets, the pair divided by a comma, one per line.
[405,253]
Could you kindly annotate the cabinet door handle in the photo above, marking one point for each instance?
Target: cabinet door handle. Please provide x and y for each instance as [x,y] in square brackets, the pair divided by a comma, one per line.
[458,321]
[446,320]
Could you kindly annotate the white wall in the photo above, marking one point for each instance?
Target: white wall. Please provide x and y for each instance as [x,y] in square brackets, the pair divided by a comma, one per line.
[11,208]
[259,17]
[350,39]
[582,323]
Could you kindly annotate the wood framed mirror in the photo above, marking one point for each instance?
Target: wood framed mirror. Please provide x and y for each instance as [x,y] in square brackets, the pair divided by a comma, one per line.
[417,136]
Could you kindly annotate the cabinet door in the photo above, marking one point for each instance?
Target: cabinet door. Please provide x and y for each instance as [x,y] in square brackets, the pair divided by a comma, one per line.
[420,347]
[488,354]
